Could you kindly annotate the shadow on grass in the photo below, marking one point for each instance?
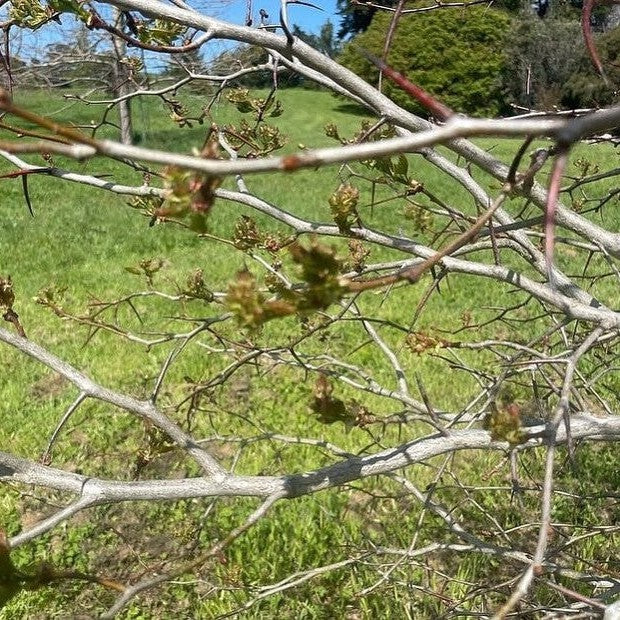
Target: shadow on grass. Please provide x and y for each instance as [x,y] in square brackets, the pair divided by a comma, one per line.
[352,108]
[164,138]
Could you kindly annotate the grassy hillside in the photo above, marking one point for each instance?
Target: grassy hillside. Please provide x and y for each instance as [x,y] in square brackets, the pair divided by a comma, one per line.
[81,241]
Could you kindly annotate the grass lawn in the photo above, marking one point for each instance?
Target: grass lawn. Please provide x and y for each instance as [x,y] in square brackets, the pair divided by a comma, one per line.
[81,241]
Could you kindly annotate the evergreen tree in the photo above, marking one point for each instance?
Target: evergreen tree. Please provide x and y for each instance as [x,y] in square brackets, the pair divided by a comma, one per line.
[458,56]
[325,42]
[355,18]
[543,54]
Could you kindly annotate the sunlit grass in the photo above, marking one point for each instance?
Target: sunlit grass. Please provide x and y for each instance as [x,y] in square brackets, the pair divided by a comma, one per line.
[81,240]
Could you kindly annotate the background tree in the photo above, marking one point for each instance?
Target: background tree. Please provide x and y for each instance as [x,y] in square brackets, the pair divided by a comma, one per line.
[122,83]
[356,17]
[180,66]
[549,65]
[325,42]
[84,62]
[457,56]
[584,87]
[543,56]
[87,64]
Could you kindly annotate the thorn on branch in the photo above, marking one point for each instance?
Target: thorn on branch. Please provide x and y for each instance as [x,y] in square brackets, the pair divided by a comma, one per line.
[26,194]
[514,166]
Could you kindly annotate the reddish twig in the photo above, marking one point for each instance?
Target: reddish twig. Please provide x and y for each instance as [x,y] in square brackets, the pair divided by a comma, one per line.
[586,28]
[390,35]
[6,104]
[21,173]
[557,171]
[438,110]
[21,132]
[12,317]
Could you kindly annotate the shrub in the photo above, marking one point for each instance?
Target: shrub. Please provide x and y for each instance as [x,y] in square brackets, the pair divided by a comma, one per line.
[541,57]
[455,55]
[585,88]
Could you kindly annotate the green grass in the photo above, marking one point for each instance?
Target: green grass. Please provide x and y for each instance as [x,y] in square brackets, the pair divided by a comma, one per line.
[81,240]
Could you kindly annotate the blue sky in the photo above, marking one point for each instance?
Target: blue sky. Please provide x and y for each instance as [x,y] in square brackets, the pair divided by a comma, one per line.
[305,17]
[28,43]
[234,11]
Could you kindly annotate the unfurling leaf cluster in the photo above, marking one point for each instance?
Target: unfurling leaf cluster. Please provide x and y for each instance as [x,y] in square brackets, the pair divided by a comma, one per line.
[157,444]
[52,297]
[245,103]
[197,288]
[343,204]
[7,299]
[249,304]
[421,217]
[69,6]
[255,140]
[504,424]
[319,270]
[135,63]
[29,13]
[259,138]
[188,195]
[247,237]
[147,267]
[159,31]
[7,295]
[180,114]
[420,342]
[366,133]
[148,205]
[391,168]
[585,167]
[358,254]
[329,409]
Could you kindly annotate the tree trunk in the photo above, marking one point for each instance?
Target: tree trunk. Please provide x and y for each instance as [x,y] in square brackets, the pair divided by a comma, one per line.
[122,87]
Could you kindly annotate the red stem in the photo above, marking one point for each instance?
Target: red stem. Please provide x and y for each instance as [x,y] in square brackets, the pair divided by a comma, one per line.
[586,28]
[552,202]
[436,108]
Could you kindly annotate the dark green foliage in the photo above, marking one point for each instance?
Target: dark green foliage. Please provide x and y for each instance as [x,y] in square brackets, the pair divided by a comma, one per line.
[585,88]
[245,57]
[512,6]
[455,55]
[571,9]
[542,55]
[355,18]
[560,69]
